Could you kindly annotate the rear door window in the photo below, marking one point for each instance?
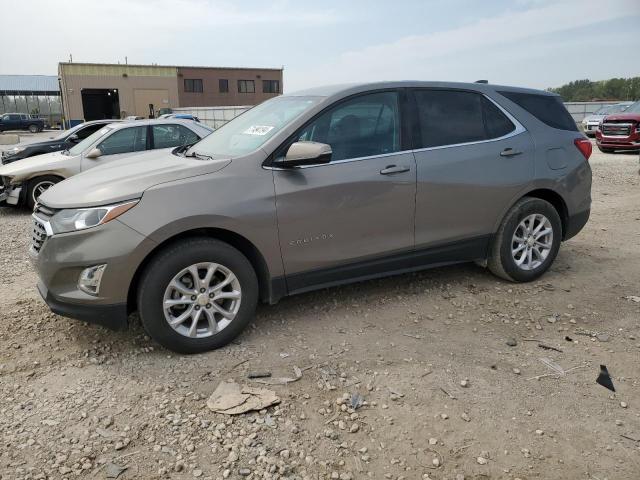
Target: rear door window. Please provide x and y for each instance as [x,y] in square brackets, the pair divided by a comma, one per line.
[548,109]
[125,140]
[365,126]
[169,135]
[452,117]
[448,117]
[496,123]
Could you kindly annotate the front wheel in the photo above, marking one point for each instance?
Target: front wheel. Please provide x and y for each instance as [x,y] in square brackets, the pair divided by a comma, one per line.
[37,187]
[197,295]
[527,241]
[33,128]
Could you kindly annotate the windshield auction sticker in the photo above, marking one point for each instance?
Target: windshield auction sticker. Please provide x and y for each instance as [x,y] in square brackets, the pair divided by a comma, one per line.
[258,130]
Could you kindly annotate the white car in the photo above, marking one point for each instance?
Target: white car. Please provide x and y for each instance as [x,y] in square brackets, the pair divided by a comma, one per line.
[24,181]
[590,122]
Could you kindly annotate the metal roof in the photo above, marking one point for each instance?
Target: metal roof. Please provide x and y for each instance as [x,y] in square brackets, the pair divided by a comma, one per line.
[29,83]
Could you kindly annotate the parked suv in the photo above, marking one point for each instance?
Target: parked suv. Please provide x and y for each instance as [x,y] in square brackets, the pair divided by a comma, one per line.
[20,121]
[311,190]
[63,141]
[620,131]
[23,182]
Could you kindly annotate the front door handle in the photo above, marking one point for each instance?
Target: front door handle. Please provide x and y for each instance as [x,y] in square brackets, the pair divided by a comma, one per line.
[509,152]
[389,169]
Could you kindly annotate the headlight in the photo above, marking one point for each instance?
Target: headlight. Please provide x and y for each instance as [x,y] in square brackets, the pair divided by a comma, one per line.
[75,219]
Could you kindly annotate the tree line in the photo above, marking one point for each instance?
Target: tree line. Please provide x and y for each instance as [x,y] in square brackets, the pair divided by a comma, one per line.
[612,89]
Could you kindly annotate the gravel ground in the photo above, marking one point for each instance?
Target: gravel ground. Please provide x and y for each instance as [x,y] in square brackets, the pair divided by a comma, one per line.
[445,360]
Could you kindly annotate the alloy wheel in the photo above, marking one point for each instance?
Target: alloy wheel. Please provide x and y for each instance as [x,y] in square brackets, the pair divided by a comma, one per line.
[202,300]
[40,188]
[532,241]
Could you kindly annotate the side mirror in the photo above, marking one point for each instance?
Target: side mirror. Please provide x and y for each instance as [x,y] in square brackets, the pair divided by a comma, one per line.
[73,138]
[94,153]
[306,153]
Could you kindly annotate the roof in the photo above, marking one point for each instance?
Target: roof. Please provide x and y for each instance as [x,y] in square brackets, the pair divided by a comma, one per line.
[168,66]
[29,83]
[331,90]
[160,121]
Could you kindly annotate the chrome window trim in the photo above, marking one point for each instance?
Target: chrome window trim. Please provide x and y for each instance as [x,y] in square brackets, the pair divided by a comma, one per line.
[517,131]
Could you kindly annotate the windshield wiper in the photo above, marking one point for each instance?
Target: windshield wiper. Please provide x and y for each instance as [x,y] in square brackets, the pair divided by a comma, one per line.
[199,156]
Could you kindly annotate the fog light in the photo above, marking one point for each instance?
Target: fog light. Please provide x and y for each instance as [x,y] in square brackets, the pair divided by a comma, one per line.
[89,281]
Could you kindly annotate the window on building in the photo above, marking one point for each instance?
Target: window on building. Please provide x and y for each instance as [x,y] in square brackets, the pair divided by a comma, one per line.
[193,85]
[271,86]
[246,86]
[223,85]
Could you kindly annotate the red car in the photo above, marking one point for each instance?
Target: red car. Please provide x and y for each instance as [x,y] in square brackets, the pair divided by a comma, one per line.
[620,131]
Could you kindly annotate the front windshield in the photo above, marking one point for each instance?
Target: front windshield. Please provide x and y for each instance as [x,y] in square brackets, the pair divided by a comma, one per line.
[84,144]
[622,107]
[252,129]
[603,110]
[635,108]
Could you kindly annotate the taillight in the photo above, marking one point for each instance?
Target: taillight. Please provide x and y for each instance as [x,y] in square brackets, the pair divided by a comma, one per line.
[584,146]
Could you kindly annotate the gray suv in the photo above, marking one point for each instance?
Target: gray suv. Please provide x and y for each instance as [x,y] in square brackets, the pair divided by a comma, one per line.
[312,190]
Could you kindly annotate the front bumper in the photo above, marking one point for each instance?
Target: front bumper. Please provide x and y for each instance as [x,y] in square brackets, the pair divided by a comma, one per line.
[618,142]
[113,316]
[59,259]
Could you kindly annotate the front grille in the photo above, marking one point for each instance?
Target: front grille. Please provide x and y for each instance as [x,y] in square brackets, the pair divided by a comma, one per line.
[41,216]
[616,129]
[38,236]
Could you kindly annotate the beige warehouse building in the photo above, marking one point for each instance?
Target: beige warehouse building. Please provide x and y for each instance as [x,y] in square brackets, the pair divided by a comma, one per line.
[96,91]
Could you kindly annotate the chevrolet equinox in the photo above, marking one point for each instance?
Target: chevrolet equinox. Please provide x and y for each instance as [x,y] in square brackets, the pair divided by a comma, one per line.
[311,190]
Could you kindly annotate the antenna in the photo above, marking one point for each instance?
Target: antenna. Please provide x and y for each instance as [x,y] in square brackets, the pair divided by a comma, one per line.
[481,81]
[70,58]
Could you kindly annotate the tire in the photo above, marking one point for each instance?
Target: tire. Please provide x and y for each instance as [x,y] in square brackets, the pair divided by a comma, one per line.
[172,263]
[33,128]
[502,261]
[37,186]
[605,150]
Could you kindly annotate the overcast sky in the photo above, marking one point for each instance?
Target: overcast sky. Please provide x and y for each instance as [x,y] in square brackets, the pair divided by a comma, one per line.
[534,43]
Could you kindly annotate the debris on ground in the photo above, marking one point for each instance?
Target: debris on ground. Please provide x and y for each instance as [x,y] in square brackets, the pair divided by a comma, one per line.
[279,380]
[113,470]
[356,401]
[231,398]
[604,379]
[549,347]
[258,374]
[512,342]
[633,298]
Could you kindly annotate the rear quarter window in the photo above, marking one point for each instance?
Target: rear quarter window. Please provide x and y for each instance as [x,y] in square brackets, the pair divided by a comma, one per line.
[546,108]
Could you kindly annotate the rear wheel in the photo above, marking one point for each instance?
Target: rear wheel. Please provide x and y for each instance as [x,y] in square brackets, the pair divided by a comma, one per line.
[33,128]
[37,186]
[197,295]
[527,241]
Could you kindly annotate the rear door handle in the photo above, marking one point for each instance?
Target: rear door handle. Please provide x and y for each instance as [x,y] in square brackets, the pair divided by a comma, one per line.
[390,169]
[509,152]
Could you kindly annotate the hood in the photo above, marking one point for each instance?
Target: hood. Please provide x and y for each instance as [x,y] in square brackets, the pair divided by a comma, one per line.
[38,163]
[593,118]
[126,179]
[622,116]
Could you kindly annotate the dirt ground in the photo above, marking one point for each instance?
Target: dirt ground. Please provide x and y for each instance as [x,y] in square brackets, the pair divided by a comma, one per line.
[445,396]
